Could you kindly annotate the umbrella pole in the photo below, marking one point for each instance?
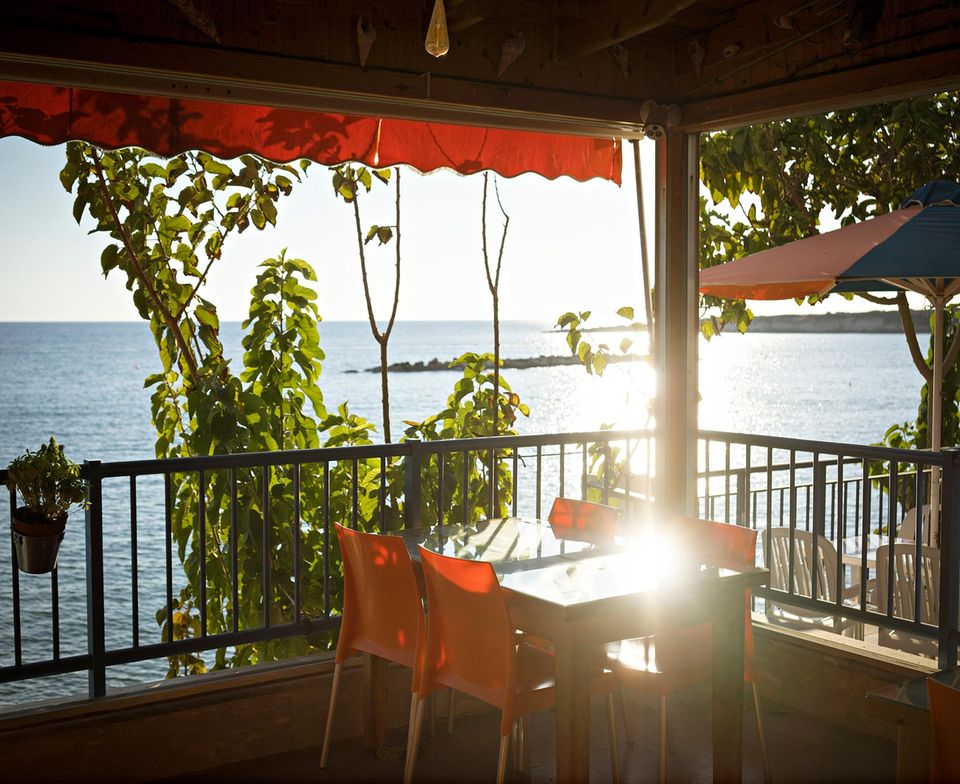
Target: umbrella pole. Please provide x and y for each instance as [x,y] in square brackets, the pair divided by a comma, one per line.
[934,418]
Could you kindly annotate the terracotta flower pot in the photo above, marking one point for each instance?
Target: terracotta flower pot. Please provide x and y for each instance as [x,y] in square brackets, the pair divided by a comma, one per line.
[37,544]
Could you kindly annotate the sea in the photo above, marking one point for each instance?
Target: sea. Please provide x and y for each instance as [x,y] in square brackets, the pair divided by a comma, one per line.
[83,383]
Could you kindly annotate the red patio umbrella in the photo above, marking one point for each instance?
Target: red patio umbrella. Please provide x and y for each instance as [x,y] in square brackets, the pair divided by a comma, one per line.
[915,248]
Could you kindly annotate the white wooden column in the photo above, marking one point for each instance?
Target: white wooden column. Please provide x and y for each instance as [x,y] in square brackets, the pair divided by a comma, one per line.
[677,320]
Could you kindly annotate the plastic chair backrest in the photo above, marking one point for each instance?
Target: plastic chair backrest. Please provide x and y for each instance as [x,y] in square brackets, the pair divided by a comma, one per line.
[908,527]
[732,547]
[470,639]
[584,520]
[944,720]
[803,564]
[723,544]
[904,581]
[382,607]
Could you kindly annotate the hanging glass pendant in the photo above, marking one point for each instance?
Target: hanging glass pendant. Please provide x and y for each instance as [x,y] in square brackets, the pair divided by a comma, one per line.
[438,40]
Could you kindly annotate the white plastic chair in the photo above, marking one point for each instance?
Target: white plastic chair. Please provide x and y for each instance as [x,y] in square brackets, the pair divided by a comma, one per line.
[803,571]
[908,527]
[905,591]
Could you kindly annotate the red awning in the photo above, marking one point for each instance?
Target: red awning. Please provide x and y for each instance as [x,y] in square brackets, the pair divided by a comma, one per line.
[49,114]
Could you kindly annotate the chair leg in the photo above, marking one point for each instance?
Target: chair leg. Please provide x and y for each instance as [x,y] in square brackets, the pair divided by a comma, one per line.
[414,741]
[662,757]
[764,756]
[522,744]
[411,721]
[338,668]
[451,711]
[614,748]
[502,758]
[627,728]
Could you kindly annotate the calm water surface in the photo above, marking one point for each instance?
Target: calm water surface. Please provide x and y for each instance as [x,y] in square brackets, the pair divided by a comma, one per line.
[84,384]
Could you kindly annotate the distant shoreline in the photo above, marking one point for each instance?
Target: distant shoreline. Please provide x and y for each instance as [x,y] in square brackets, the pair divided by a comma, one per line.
[508,364]
[870,322]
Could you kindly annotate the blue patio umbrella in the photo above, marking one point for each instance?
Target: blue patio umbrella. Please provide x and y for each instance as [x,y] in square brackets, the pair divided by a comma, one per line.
[915,248]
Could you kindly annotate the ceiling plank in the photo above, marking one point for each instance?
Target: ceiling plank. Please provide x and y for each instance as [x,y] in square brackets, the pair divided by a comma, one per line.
[892,80]
[615,24]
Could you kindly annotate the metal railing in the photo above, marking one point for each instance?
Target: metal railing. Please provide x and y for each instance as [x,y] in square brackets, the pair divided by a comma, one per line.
[845,497]
[137,505]
[151,522]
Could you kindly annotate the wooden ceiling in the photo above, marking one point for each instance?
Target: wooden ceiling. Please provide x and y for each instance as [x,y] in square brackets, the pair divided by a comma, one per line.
[582,66]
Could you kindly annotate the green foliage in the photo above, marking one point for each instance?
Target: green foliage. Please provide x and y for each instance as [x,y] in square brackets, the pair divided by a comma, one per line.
[48,483]
[473,410]
[594,356]
[778,177]
[167,223]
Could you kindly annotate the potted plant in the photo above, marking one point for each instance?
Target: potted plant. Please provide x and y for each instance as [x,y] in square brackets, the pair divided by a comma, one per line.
[49,486]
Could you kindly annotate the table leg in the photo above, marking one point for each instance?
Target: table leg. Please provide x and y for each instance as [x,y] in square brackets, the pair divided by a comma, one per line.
[374,700]
[572,663]
[728,689]
[913,752]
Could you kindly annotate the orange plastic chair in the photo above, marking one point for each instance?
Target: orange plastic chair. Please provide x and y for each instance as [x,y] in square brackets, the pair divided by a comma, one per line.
[944,720]
[584,521]
[472,647]
[382,608]
[669,661]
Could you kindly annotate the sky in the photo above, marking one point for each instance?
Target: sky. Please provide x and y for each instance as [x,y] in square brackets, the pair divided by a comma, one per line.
[570,246]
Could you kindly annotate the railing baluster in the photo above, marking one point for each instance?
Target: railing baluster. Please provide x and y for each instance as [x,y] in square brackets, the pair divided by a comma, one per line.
[355,493]
[516,479]
[540,481]
[168,542]
[296,542]
[628,500]
[55,612]
[326,539]
[15,590]
[792,519]
[383,494]
[96,631]
[202,522]
[441,480]
[265,544]
[583,474]
[466,488]
[726,483]
[234,550]
[134,566]
[563,471]
[865,502]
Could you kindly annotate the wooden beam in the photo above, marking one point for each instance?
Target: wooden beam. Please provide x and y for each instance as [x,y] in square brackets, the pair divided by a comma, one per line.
[199,72]
[892,80]
[676,321]
[605,30]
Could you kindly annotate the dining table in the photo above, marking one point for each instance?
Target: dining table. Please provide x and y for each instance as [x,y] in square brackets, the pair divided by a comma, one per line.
[581,594]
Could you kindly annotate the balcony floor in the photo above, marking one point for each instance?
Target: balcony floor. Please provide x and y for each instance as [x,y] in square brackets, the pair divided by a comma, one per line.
[802,749]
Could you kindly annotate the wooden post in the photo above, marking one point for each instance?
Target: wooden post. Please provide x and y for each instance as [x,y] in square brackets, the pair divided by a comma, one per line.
[677,320]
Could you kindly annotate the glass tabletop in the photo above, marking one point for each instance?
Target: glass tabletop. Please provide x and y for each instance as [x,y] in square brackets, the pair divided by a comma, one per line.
[531,558]
[510,543]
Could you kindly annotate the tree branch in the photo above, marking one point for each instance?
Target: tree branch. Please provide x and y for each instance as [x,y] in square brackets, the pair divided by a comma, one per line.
[163,313]
[911,335]
[396,286]
[363,270]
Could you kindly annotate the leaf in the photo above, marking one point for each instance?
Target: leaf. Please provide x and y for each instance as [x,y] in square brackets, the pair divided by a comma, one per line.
[626,312]
[625,345]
